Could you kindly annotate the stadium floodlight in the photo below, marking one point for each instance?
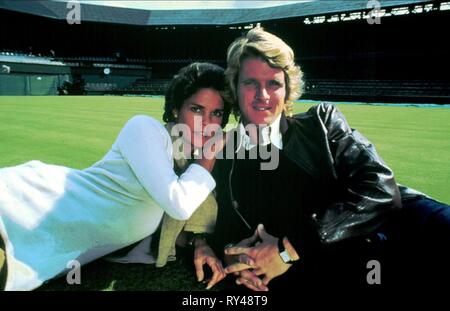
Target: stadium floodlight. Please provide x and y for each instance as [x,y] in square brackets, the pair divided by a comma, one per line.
[417,9]
[333,19]
[428,8]
[318,19]
[445,6]
[400,11]
[107,71]
[355,15]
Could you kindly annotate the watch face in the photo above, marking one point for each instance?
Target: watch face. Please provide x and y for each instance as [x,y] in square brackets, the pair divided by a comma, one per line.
[285,256]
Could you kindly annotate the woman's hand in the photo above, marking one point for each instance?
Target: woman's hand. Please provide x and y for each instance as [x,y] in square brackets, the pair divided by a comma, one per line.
[204,254]
[207,155]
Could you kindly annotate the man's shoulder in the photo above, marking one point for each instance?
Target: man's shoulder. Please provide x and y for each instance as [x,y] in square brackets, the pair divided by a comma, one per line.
[317,111]
[324,115]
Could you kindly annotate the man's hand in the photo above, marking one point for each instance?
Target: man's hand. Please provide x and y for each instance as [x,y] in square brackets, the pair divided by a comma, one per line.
[241,261]
[249,279]
[243,265]
[267,260]
[204,254]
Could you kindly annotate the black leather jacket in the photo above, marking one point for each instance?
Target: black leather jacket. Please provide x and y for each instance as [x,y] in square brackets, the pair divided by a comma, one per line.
[323,145]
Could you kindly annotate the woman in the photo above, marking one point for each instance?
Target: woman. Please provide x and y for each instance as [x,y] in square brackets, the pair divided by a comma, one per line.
[51,215]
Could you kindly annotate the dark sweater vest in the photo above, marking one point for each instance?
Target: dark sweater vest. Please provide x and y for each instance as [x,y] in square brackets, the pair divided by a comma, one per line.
[281,199]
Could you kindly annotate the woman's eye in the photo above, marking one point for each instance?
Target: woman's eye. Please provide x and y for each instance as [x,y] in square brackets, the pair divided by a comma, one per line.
[195,109]
[217,114]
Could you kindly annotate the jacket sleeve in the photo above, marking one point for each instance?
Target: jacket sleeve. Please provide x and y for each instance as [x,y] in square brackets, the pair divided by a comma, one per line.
[369,189]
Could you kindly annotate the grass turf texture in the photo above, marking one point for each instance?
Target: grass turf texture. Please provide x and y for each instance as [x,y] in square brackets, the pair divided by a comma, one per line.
[78,131]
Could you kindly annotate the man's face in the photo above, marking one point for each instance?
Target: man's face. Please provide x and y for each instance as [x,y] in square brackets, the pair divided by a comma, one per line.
[261,91]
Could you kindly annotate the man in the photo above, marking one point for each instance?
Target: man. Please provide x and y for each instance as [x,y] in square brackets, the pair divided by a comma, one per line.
[323,212]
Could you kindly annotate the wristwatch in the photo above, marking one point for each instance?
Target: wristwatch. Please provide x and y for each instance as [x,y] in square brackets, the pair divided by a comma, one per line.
[284,254]
[193,236]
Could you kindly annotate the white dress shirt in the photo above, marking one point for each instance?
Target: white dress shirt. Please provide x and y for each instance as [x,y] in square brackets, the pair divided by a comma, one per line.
[269,134]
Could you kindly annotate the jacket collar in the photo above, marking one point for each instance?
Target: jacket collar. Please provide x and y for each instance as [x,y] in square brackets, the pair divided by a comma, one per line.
[284,125]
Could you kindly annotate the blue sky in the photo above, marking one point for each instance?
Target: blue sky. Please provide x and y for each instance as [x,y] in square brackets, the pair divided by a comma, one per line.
[180,5]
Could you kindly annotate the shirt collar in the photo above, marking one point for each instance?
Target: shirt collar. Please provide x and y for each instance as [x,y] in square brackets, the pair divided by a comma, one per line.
[269,135]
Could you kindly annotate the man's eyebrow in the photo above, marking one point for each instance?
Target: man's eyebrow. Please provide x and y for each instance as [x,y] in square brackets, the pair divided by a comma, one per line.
[249,80]
[276,80]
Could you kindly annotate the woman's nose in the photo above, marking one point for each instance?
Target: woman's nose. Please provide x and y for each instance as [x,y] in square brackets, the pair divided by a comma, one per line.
[206,119]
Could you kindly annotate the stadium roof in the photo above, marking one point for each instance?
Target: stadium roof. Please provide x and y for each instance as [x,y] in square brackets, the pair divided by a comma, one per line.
[109,14]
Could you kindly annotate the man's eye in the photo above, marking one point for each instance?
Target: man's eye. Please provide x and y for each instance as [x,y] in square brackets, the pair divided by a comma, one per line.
[275,84]
[249,83]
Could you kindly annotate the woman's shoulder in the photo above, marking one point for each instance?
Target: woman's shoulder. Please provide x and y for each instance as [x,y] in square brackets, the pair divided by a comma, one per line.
[145,123]
[142,119]
[143,127]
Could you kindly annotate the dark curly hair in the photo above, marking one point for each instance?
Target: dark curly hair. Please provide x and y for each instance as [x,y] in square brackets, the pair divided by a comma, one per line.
[188,81]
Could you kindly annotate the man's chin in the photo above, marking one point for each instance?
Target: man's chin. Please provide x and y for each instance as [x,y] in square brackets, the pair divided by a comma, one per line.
[262,118]
[263,121]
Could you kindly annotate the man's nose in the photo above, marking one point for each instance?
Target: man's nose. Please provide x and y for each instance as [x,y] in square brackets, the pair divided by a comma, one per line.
[262,93]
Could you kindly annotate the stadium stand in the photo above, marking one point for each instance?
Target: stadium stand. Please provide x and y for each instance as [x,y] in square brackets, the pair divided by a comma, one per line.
[105,14]
[129,51]
[17,57]
[386,90]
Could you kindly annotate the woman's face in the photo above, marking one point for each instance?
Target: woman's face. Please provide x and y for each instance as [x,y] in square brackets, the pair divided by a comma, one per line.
[203,108]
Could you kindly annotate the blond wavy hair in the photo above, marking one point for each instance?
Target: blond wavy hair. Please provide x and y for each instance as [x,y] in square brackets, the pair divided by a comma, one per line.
[262,44]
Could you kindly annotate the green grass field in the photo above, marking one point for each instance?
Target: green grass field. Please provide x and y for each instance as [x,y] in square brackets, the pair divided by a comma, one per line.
[78,131]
